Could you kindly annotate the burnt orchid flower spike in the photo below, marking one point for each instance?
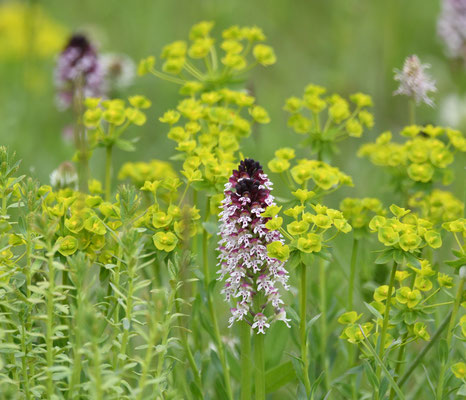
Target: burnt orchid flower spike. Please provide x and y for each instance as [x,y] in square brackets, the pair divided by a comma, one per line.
[252,277]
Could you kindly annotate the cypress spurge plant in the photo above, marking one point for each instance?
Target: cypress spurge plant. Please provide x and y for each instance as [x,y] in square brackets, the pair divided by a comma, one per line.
[106,121]
[326,120]
[420,162]
[359,213]
[313,226]
[458,229]
[200,65]
[399,308]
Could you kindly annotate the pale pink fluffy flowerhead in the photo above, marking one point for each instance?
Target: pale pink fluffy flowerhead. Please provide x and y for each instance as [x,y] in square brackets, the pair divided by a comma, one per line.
[451,27]
[252,277]
[414,81]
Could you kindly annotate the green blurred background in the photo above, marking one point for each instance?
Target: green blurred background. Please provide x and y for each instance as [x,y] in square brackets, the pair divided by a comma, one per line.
[345,45]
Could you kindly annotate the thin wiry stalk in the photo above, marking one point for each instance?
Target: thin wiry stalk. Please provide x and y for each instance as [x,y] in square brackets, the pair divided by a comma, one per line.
[246,361]
[303,330]
[451,328]
[213,315]
[50,321]
[386,318]
[323,323]
[259,363]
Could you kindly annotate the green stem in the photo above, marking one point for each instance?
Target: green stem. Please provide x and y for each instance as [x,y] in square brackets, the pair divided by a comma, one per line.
[386,318]
[28,273]
[425,350]
[246,360]
[302,329]
[108,172]
[9,339]
[116,311]
[24,361]
[165,332]
[354,256]
[451,328]
[97,370]
[49,324]
[323,324]
[4,204]
[213,315]
[412,112]
[166,77]
[76,373]
[399,364]
[184,194]
[213,57]
[259,364]
[402,351]
[148,358]
[128,312]
[352,349]
[80,137]
[187,349]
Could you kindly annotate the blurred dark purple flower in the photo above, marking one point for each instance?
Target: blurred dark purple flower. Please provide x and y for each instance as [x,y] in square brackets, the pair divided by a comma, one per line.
[78,66]
[451,27]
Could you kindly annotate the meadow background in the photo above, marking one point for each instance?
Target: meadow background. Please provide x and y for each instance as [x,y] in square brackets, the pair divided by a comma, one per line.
[344,45]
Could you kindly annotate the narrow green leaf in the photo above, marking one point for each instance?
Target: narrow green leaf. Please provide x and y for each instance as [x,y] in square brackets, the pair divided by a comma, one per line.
[385,257]
[279,376]
[391,381]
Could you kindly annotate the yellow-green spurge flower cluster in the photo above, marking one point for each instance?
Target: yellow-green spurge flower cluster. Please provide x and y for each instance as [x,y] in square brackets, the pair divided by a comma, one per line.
[423,158]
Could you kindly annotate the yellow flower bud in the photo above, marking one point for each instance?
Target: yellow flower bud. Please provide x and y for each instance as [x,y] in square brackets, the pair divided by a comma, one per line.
[278,250]
[278,165]
[161,220]
[388,236]
[293,104]
[297,228]
[139,101]
[165,241]
[274,223]
[349,317]
[361,100]
[286,153]
[366,118]
[311,243]
[95,225]
[420,330]
[354,128]
[200,30]
[68,245]
[459,370]
[264,54]
[339,111]
[259,114]
[381,293]
[146,65]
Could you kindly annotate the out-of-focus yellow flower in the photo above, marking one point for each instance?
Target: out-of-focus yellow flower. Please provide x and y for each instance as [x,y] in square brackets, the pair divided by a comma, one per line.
[140,172]
[27,30]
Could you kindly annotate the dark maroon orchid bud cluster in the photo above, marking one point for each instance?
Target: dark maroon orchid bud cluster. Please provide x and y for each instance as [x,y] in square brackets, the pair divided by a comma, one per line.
[252,276]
